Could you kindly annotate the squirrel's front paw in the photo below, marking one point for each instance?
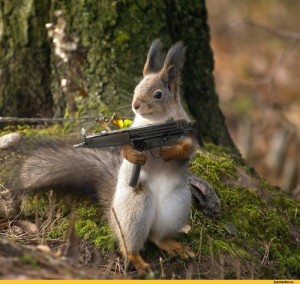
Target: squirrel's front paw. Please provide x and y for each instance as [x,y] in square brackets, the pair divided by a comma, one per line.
[133,156]
[181,150]
[168,153]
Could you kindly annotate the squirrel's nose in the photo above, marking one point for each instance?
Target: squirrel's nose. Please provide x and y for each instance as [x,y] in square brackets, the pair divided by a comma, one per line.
[136,105]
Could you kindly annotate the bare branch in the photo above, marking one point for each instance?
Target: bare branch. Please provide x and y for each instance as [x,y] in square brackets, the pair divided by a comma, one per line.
[123,239]
[294,37]
[45,120]
[282,57]
[278,32]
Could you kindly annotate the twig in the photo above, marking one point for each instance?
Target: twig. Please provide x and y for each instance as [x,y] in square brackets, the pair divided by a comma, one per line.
[32,120]
[238,269]
[267,251]
[36,218]
[198,254]
[269,79]
[162,274]
[123,239]
[282,58]
[47,224]
[197,264]
[211,257]
[1,185]
[45,120]
[278,32]
[222,261]
[294,37]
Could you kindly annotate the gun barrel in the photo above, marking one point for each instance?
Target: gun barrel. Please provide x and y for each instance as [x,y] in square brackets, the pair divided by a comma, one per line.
[106,139]
[80,145]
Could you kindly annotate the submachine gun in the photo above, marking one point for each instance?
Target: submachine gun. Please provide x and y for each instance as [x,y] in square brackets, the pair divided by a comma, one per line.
[143,138]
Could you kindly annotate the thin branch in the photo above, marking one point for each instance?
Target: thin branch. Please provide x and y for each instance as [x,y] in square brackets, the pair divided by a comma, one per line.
[49,120]
[294,37]
[49,221]
[267,251]
[45,120]
[162,273]
[123,238]
[276,66]
[2,186]
[278,32]
[282,58]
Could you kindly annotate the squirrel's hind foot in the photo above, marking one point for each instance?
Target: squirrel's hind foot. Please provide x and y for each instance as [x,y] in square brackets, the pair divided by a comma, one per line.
[143,268]
[172,247]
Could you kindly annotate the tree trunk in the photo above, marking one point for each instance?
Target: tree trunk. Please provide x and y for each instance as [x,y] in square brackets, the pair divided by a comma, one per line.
[117,35]
[25,85]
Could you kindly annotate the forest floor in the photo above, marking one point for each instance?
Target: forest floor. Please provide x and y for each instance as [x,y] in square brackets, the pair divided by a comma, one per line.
[34,245]
[37,262]
[255,236]
[22,256]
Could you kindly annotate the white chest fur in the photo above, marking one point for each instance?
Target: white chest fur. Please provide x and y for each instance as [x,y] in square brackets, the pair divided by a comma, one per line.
[161,177]
[167,182]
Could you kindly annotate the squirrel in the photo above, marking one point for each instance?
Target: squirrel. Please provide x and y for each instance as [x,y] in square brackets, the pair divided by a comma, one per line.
[159,206]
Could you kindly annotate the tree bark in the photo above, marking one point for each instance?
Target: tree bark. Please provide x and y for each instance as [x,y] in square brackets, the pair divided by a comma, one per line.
[25,85]
[117,35]
[188,22]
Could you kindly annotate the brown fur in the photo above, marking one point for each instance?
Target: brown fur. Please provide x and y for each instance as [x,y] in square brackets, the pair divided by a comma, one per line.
[172,247]
[133,156]
[180,151]
[140,265]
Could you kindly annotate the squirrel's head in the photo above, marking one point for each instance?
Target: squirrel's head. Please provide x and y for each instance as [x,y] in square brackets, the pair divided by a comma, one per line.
[157,95]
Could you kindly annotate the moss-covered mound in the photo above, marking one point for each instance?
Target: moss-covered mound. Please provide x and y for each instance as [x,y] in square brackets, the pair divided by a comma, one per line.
[256,235]
[257,232]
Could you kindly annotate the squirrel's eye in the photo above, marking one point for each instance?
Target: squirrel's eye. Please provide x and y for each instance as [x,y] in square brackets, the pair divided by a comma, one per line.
[158,95]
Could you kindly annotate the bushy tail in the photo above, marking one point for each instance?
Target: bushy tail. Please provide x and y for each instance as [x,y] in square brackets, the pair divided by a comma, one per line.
[53,164]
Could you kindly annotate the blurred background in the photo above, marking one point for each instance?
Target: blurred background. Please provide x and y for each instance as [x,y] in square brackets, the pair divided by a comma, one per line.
[257,54]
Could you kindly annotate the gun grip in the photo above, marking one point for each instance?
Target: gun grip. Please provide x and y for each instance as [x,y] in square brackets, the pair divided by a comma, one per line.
[135,175]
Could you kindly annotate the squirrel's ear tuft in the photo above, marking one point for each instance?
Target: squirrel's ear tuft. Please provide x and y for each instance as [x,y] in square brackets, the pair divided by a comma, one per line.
[154,61]
[173,64]
[175,56]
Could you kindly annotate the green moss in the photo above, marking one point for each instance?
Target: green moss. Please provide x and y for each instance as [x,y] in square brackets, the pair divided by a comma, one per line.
[27,258]
[89,225]
[37,203]
[253,228]
[59,229]
[89,222]
[213,166]
[55,130]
